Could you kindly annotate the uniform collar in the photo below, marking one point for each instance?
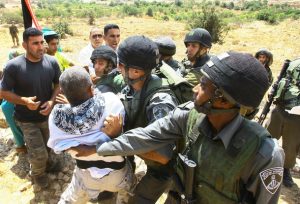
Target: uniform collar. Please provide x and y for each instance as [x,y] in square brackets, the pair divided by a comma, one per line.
[226,134]
[229,130]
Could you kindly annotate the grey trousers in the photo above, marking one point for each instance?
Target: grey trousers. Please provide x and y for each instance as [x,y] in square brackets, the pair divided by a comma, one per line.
[285,125]
[36,136]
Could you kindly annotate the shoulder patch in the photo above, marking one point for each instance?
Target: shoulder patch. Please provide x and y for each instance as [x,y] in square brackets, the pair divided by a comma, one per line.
[187,106]
[160,111]
[272,178]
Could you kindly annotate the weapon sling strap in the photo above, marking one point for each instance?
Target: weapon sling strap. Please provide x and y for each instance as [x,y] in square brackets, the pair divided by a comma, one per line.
[194,121]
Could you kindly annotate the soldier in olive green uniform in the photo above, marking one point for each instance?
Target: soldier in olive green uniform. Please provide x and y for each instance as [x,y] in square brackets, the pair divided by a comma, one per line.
[284,121]
[107,78]
[266,58]
[13,31]
[197,42]
[237,161]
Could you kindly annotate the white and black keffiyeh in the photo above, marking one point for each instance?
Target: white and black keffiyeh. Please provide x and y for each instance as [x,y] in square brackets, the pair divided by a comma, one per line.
[79,119]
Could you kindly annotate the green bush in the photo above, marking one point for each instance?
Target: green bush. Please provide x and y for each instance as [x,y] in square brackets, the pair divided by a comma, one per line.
[149,12]
[131,11]
[267,15]
[165,18]
[44,13]
[217,2]
[210,19]
[62,28]
[253,5]
[178,3]
[230,5]
[2,5]
[9,17]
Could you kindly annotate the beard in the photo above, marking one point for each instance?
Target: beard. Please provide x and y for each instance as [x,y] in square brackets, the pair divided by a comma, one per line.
[205,108]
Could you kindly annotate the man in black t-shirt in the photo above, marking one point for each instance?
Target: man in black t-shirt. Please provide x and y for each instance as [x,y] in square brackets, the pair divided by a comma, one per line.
[30,82]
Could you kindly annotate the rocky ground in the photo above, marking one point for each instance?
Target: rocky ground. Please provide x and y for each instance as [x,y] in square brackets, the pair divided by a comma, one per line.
[18,166]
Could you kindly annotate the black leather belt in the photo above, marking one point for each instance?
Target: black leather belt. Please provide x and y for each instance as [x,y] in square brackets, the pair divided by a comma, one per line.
[100,164]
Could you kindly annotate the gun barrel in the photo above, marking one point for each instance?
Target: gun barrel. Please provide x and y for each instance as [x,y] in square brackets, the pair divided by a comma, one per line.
[189,178]
[273,91]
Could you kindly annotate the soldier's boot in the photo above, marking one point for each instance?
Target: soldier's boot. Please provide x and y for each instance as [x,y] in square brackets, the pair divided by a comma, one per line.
[41,180]
[287,178]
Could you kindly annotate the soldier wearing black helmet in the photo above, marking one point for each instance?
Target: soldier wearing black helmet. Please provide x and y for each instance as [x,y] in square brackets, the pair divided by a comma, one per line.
[197,42]
[146,99]
[266,58]
[236,160]
[167,49]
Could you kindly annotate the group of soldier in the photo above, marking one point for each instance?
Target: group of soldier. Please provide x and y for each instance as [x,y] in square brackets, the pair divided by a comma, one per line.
[190,121]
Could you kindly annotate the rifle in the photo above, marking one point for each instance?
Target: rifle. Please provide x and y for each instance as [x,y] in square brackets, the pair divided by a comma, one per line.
[184,186]
[273,91]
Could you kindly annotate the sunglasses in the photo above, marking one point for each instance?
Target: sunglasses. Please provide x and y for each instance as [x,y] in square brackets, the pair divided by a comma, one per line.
[97,35]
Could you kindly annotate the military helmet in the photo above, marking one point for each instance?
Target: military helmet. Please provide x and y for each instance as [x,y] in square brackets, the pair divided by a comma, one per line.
[199,35]
[104,52]
[165,45]
[138,52]
[267,53]
[239,76]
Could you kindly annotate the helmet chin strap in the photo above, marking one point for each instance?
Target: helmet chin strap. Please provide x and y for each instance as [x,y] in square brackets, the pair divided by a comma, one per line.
[130,81]
[201,51]
[207,108]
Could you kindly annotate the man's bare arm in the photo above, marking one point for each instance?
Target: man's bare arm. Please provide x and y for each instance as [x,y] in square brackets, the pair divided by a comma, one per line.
[20,100]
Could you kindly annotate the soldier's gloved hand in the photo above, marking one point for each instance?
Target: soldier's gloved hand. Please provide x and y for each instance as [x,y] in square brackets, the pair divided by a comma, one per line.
[113,125]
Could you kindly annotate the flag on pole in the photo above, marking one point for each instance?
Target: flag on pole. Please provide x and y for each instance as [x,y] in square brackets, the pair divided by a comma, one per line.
[28,15]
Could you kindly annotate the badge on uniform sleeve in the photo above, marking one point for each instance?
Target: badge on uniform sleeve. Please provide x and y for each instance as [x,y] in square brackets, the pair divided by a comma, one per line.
[160,111]
[272,178]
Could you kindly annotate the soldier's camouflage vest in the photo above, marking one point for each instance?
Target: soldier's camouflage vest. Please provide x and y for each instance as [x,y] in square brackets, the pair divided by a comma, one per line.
[218,172]
[288,94]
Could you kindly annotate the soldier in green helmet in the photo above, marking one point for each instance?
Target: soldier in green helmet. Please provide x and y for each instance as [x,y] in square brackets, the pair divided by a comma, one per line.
[198,43]
[266,58]
[236,159]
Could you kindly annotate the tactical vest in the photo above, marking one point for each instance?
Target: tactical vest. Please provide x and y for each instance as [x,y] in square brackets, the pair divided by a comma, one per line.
[288,93]
[135,106]
[181,88]
[113,82]
[218,172]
